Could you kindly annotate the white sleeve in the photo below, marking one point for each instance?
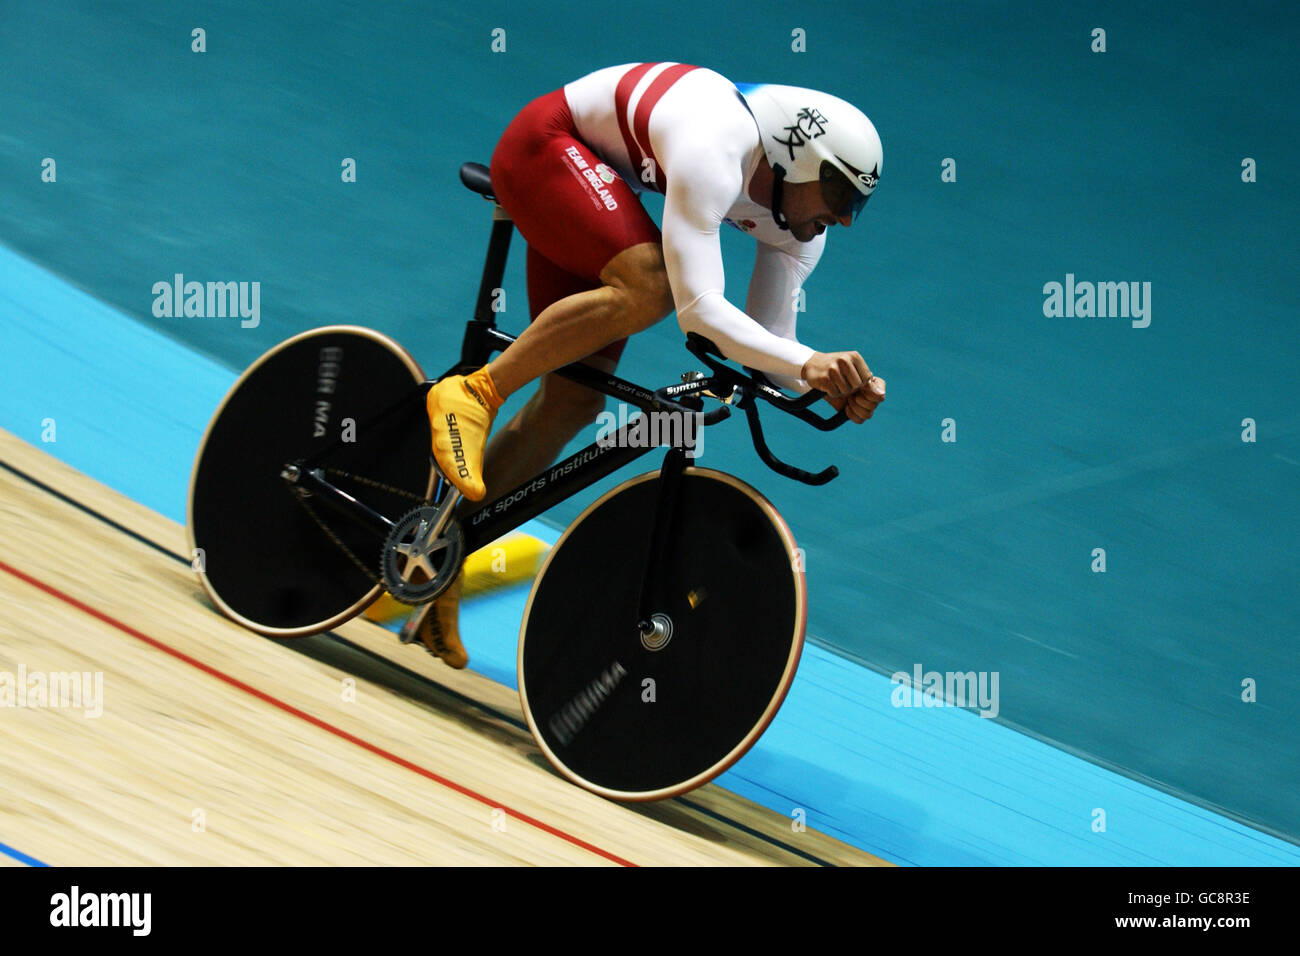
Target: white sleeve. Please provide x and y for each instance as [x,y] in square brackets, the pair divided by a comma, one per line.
[701,190]
[774,292]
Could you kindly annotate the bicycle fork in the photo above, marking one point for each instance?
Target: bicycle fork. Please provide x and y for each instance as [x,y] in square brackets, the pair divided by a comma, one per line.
[656,627]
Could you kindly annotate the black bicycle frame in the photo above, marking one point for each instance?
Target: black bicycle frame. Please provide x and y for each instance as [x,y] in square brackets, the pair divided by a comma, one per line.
[503,514]
[485,523]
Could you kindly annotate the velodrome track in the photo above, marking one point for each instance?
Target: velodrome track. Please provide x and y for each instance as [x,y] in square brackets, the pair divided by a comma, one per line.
[217,746]
[911,785]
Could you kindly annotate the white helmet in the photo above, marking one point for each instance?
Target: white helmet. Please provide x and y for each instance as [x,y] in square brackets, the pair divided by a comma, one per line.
[810,136]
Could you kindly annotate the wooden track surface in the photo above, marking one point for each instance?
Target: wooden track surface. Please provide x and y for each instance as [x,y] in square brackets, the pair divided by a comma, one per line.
[217,746]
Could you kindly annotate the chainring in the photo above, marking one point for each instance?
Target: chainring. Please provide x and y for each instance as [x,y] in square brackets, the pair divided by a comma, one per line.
[416,567]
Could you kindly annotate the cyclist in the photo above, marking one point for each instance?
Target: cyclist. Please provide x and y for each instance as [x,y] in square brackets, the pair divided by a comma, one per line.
[780,163]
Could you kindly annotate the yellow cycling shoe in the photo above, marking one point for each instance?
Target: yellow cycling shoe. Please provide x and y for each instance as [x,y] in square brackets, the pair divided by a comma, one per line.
[437,625]
[461,409]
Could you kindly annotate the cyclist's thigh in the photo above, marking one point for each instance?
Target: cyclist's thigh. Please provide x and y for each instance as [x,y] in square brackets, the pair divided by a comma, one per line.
[548,283]
[538,177]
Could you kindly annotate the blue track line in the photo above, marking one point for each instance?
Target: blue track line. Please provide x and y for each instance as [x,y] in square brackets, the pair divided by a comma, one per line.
[20,856]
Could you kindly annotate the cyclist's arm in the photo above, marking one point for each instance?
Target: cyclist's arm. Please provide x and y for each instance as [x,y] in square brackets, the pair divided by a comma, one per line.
[774,299]
[700,191]
[774,292]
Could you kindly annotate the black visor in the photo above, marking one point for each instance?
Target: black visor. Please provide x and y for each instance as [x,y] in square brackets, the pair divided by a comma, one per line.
[842,197]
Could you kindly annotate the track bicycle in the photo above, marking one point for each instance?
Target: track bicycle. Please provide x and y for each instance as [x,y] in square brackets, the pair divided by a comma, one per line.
[665,626]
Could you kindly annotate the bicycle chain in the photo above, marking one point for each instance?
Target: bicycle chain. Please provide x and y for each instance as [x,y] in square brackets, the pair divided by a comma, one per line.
[391,489]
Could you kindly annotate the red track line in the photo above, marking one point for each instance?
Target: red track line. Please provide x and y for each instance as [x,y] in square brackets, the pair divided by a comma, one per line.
[315,721]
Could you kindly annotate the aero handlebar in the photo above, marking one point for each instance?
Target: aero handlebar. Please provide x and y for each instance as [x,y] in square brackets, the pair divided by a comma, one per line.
[742,389]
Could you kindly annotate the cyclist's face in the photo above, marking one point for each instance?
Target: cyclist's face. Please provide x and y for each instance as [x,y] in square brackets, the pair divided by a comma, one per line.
[807,212]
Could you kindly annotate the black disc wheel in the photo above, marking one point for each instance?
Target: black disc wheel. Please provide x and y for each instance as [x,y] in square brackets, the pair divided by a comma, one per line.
[347,399]
[636,715]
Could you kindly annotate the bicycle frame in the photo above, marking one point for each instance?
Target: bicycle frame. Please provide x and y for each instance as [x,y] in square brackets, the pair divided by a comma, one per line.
[581,469]
[482,524]
[489,521]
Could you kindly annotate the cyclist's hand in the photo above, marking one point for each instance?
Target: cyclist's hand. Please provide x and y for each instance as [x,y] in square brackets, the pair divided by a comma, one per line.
[860,405]
[847,382]
[838,374]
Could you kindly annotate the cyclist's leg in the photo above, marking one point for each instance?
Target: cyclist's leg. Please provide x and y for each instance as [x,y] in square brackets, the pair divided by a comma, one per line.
[633,295]
[559,409]
[601,235]
[529,442]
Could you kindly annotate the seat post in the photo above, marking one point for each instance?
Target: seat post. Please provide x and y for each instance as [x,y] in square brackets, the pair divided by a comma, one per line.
[494,266]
